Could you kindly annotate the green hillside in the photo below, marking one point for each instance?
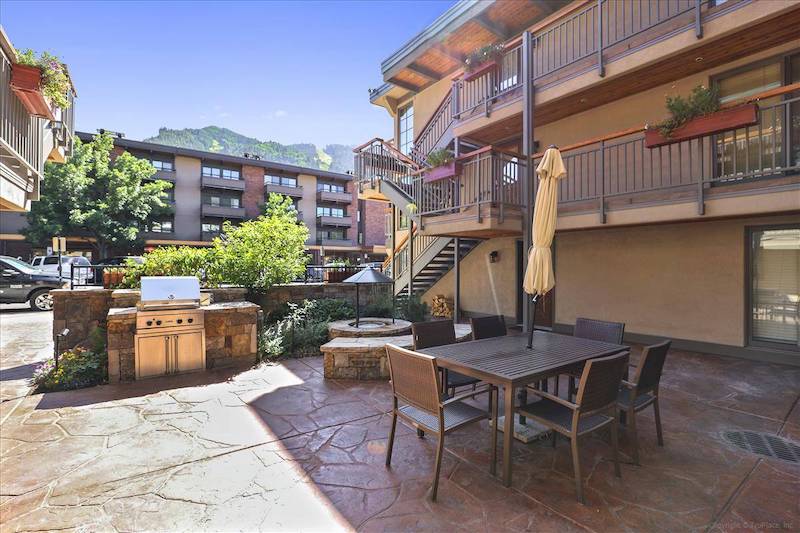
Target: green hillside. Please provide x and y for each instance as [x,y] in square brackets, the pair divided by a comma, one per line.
[334,157]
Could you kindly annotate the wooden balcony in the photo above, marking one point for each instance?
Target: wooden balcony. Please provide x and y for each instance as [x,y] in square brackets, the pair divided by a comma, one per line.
[222,211]
[341,222]
[293,192]
[618,180]
[222,183]
[334,197]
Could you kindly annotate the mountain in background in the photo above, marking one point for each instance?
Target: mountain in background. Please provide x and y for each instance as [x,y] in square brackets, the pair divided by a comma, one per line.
[333,157]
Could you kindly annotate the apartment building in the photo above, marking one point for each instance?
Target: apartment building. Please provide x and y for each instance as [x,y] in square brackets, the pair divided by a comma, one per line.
[696,239]
[27,138]
[210,188]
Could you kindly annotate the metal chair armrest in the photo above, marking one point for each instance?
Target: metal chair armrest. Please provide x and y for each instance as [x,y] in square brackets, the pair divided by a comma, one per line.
[554,398]
[481,390]
[628,384]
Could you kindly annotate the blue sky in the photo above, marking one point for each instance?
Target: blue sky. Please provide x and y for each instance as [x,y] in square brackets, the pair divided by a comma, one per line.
[284,71]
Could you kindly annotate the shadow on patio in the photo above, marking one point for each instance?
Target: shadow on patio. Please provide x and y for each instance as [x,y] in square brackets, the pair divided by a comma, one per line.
[280,448]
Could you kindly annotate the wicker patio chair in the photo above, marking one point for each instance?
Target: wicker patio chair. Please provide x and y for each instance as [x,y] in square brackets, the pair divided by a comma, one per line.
[595,407]
[596,330]
[415,383]
[439,333]
[487,327]
[642,391]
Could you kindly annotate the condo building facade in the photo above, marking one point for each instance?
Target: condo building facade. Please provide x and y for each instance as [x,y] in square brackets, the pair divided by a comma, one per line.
[209,188]
[693,237]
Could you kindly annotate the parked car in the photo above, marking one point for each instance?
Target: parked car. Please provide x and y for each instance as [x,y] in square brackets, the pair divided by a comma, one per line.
[49,263]
[21,282]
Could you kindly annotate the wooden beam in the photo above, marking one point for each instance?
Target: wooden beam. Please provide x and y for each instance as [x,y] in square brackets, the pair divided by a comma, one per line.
[422,71]
[499,30]
[442,49]
[405,85]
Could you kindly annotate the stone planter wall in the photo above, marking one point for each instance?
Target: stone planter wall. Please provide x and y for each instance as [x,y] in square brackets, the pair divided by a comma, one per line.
[231,337]
[83,310]
[297,292]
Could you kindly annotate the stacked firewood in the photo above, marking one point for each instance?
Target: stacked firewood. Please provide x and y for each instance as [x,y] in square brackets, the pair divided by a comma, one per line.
[441,306]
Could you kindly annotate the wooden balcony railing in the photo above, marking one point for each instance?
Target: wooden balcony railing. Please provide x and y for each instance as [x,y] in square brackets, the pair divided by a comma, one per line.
[402,258]
[621,165]
[488,177]
[484,90]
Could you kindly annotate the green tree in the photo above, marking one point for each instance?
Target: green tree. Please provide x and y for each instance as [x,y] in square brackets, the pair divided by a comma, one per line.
[93,195]
[265,251]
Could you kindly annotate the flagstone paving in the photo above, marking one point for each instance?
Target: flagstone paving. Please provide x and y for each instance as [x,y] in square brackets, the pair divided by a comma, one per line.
[279,448]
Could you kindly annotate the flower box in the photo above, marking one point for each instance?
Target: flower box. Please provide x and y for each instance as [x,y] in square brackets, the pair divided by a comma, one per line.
[26,82]
[448,170]
[482,69]
[725,120]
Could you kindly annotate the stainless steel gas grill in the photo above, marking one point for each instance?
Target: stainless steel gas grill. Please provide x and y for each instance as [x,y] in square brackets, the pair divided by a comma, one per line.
[170,335]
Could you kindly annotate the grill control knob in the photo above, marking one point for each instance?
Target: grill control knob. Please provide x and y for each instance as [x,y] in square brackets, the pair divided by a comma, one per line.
[180,321]
[149,322]
[158,322]
[191,320]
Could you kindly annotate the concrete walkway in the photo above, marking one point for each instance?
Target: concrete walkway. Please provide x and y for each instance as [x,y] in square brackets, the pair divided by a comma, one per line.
[279,448]
[25,341]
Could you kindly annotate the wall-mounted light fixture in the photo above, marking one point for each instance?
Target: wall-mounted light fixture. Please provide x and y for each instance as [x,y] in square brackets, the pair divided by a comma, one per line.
[494,256]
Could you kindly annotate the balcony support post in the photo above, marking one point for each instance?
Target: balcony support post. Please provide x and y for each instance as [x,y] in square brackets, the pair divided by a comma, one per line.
[602,182]
[527,150]
[410,258]
[457,273]
[393,226]
[601,70]
[698,24]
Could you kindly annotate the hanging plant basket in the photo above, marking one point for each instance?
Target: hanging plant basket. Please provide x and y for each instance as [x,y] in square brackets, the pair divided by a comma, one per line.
[725,120]
[448,170]
[26,82]
[482,69]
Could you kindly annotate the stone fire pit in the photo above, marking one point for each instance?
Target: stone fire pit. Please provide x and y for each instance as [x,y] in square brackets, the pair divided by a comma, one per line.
[364,357]
[369,327]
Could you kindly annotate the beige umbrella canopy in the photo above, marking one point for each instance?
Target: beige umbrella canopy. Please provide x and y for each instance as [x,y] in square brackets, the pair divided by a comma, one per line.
[539,277]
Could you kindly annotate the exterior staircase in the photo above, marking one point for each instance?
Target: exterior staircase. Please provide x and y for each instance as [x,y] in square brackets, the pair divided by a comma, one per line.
[386,173]
[433,258]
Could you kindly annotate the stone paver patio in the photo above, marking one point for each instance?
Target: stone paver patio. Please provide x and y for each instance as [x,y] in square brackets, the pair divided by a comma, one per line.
[278,448]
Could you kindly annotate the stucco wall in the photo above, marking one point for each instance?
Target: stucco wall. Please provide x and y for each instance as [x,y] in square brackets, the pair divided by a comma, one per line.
[486,288]
[308,204]
[683,281]
[187,199]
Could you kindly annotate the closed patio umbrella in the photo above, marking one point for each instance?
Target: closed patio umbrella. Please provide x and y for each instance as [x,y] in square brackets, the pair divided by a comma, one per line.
[539,277]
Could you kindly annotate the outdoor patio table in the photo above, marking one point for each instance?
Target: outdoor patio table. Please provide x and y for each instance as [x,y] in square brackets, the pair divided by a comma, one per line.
[507,363]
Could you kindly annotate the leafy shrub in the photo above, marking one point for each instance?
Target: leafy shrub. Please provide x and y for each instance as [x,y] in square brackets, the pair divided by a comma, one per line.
[410,308]
[329,309]
[55,80]
[77,368]
[380,307]
[176,261]
[440,157]
[257,254]
[702,101]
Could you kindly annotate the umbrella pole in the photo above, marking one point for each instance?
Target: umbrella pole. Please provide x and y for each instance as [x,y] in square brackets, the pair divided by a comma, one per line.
[358,306]
[533,320]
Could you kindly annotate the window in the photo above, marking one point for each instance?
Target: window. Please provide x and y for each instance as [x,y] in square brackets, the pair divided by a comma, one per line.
[402,221]
[51,260]
[163,165]
[212,227]
[284,181]
[224,173]
[775,286]
[330,212]
[170,194]
[330,187]
[406,129]
[217,199]
[160,226]
[332,235]
[773,144]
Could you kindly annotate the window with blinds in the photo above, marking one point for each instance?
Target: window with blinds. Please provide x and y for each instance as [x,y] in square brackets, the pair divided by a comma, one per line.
[775,285]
